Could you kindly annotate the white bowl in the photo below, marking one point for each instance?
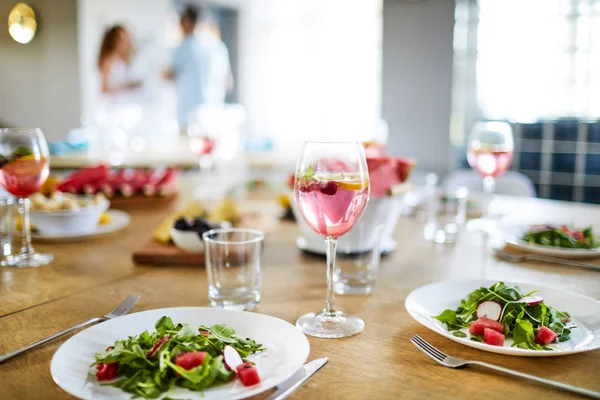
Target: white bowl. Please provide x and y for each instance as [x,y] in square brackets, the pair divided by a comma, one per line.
[189,241]
[380,211]
[82,220]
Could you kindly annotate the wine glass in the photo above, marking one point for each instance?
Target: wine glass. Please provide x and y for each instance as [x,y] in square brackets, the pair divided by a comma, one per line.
[24,167]
[490,152]
[331,190]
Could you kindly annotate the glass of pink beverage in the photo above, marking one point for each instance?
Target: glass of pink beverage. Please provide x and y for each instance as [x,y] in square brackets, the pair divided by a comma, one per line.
[490,152]
[331,191]
[24,167]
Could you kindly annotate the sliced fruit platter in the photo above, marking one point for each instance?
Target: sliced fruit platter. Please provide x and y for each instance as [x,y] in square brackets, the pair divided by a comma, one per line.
[178,239]
[117,183]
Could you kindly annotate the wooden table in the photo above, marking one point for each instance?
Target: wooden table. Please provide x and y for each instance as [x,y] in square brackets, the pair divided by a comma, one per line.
[88,279]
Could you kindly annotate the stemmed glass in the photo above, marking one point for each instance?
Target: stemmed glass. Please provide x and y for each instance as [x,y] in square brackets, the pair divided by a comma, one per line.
[24,167]
[331,191]
[490,152]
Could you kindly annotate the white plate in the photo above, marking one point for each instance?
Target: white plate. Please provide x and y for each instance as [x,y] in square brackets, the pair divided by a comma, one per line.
[512,233]
[434,298]
[118,220]
[287,350]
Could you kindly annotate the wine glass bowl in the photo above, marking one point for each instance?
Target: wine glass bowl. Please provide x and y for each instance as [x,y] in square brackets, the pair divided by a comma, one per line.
[331,190]
[491,148]
[24,167]
[490,152]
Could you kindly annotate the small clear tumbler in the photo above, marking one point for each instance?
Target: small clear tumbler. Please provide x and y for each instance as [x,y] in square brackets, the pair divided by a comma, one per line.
[233,258]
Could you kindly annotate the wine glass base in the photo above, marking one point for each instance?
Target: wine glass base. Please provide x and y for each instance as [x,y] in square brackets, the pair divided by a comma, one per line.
[27,260]
[326,326]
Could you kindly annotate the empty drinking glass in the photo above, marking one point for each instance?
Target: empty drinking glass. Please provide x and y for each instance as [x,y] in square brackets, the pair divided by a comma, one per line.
[446,211]
[233,258]
[357,266]
[6,226]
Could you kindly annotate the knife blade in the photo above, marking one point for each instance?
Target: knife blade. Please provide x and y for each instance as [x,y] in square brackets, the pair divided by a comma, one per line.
[293,383]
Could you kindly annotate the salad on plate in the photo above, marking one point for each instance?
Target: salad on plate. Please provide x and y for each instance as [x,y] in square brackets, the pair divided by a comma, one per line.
[194,357]
[562,236]
[491,315]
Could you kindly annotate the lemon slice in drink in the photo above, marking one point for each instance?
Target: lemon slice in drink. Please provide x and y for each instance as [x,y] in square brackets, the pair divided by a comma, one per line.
[353,185]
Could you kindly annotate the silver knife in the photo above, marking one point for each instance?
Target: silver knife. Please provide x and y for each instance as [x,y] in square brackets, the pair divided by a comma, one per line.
[305,372]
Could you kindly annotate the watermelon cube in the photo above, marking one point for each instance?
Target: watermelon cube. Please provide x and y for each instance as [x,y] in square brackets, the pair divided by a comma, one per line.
[493,337]
[545,336]
[478,327]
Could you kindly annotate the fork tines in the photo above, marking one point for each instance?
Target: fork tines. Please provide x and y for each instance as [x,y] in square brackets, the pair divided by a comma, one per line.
[428,349]
[126,305]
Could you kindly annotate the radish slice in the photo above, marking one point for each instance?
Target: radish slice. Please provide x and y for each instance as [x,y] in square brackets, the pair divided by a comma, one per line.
[490,310]
[532,300]
[231,357]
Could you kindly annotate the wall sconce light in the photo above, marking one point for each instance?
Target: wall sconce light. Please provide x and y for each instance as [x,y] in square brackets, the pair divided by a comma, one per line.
[21,23]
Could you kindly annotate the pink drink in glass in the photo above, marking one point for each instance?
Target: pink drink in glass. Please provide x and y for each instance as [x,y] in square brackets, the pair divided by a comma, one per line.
[330,205]
[490,162]
[24,176]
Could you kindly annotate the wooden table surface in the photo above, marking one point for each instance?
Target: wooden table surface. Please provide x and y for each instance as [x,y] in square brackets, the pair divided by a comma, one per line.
[90,278]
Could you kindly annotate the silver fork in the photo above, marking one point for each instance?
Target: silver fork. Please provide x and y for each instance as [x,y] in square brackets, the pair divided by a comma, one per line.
[121,309]
[454,362]
[536,257]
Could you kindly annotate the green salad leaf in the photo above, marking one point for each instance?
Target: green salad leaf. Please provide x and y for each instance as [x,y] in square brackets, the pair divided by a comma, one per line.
[147,370]
[521,320]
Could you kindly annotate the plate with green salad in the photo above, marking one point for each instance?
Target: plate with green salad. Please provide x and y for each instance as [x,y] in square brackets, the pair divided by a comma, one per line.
[563,240]
[180,353]
[519,319]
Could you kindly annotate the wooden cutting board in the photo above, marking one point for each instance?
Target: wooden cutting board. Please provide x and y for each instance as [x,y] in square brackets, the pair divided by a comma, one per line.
[159,254]
[139,201]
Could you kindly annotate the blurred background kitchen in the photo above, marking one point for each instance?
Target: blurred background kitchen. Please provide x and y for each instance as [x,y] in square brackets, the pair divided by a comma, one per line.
[416,75]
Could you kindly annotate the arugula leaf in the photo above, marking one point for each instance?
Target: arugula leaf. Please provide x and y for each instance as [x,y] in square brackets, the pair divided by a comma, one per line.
[459,334]
[188,331]
[476,339]
[164,324]
[523,335]
[223,332]
[451,320]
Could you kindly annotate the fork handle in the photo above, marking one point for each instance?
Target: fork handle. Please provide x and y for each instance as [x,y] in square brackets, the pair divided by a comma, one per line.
[48,338]
[559,385]
[536,257]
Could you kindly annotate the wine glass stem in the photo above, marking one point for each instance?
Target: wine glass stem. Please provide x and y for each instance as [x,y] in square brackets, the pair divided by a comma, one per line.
[26,247]
[331,243]
[489,184]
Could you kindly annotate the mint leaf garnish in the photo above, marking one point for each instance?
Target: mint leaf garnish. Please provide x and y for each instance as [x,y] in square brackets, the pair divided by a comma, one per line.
[22,151]
[310,172]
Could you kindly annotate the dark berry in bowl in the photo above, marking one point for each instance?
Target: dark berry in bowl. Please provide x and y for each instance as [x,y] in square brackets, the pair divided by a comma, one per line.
[184,224]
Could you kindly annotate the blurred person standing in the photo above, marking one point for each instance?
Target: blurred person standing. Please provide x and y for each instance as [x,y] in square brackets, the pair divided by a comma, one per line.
[118,84]
[200,66]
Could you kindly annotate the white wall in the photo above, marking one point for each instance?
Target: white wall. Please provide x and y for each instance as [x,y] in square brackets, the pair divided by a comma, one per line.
[417,80]
[39,81]
[147,23]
